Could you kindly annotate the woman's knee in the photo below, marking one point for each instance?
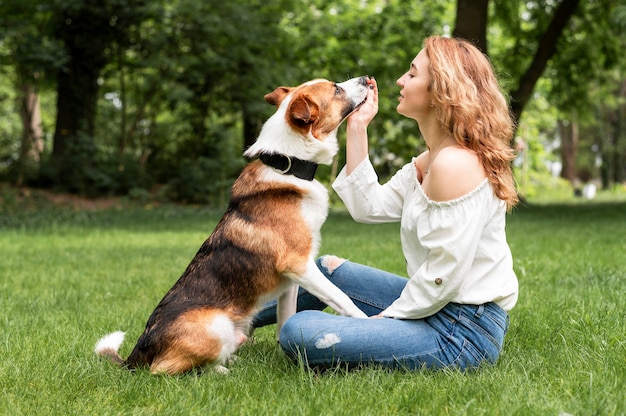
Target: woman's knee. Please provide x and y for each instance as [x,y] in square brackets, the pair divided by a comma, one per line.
[305,337]
[291,337]
[329,263]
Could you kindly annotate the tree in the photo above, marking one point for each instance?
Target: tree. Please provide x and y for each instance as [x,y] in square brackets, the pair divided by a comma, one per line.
[586,89]
[546,38]
[568,131]
[87,29]
[34,56]
[225,59]
[171,90]
[194,76]
[545,50]
[471,24]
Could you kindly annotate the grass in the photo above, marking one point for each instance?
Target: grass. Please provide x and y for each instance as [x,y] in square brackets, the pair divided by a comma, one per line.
[68,276]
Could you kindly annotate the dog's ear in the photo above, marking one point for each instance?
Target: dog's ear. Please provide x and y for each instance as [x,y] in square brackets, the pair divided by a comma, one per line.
[303,110]
[276,97]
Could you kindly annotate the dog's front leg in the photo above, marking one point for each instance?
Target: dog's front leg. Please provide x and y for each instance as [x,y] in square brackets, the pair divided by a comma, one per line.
[316,283]
[286,306]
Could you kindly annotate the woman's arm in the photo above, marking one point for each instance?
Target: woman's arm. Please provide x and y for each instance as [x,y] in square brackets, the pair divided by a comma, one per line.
[356,131]
[450,236]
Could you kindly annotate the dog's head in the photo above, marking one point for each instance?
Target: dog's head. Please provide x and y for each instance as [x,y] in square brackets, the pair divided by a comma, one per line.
[307,118]
[318,107]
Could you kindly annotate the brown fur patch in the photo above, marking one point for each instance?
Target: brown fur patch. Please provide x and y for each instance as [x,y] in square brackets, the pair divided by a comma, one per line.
[317,108]
[274,227]
[192,343]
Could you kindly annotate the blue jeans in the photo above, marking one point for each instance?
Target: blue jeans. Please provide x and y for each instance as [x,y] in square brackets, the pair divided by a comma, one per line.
[458,336]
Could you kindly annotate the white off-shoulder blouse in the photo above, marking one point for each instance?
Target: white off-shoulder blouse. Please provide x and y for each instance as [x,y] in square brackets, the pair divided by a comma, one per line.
[456,251]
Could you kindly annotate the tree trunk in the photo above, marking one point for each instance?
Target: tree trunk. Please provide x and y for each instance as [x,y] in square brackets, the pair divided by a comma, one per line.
[87,29]
[123,139]
[32,131]
[74,153]
[569,149]
[86,33]
[200,105]
[620,148]
[471,22]
[77,93]
[252,124]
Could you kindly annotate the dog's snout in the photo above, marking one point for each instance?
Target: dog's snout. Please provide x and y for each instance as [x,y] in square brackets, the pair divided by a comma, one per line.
[364,80]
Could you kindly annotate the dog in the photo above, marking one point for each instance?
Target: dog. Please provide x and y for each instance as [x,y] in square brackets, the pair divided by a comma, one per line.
[263,247]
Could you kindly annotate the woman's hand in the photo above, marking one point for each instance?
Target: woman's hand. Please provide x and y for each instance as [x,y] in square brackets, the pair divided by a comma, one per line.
[356,131]
[365,114]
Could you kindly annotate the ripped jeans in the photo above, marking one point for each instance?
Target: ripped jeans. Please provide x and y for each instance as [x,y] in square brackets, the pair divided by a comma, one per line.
[458,336]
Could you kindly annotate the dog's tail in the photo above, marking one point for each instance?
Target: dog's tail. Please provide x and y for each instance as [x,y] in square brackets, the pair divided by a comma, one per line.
[109,345]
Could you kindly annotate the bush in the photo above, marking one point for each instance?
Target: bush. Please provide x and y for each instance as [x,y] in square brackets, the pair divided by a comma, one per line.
[204,181]
[91,172]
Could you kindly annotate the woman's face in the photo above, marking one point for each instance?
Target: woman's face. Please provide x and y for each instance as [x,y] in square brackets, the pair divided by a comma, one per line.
[415,97]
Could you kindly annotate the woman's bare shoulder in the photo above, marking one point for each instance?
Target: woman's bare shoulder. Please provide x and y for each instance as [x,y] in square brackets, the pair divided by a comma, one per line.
[455,172]
[421,165]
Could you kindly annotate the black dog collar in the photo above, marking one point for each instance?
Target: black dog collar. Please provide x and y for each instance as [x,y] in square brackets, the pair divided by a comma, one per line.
[289,165]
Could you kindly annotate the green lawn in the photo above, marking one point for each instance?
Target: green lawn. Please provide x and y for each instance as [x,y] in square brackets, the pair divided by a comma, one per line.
[68,277]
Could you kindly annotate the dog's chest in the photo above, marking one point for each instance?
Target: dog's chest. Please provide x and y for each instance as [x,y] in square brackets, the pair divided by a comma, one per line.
[315,207]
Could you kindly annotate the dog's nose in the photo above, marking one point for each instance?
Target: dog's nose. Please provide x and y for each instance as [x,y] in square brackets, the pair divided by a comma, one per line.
[364,80]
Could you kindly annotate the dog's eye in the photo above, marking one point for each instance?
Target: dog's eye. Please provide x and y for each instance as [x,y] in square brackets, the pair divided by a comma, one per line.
[337,89]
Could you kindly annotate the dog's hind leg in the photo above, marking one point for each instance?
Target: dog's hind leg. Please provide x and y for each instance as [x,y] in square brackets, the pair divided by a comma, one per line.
[198,338]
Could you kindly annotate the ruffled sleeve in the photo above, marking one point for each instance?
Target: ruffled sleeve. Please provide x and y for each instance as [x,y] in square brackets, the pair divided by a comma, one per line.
[366,199]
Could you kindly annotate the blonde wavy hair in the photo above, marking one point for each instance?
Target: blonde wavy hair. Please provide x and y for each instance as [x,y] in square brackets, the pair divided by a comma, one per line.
[471,105]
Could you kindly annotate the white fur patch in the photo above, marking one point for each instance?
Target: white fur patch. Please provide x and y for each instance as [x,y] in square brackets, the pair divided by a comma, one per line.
[224,328]
[110,342]
[220,369]
[328,341]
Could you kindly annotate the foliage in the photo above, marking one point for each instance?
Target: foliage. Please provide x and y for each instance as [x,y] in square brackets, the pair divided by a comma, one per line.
[202,180]
[69,276]
[88,30]
[9,127]
[378,39]
[27,43]
[175,87]
[580,80]
[572,76]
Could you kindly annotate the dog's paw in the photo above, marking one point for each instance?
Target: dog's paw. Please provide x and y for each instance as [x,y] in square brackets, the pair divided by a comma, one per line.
[358,314]
[220,369]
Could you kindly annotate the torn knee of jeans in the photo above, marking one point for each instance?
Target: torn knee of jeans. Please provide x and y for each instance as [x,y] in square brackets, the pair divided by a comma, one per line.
[330,262]
[328,341]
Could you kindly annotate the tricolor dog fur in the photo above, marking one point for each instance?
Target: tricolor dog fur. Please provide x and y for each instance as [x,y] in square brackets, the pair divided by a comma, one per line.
[264,246]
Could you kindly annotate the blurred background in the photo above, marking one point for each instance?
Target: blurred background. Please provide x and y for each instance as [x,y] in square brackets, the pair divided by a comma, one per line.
[158,99]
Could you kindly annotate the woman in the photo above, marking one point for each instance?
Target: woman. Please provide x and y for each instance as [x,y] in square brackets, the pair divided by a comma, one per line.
[451,202]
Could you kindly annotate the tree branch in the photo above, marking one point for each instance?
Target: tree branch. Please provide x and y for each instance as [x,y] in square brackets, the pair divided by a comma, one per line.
[545,51]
